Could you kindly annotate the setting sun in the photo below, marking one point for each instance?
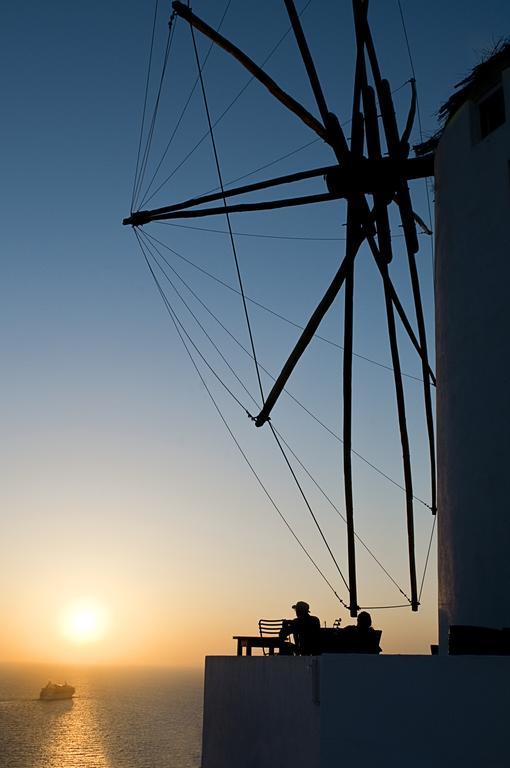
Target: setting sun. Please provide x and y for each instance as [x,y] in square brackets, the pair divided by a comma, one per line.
[84,621]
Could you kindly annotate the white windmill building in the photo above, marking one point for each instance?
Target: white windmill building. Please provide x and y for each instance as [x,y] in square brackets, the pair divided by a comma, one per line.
[472,172]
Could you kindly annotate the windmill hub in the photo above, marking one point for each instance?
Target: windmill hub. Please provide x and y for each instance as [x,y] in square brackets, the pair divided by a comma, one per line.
[376,176]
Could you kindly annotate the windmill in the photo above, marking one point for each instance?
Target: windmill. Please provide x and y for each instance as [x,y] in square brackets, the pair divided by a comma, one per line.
[315,711]
[371,174]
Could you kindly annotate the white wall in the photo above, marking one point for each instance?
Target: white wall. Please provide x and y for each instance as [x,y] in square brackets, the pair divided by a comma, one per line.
[366,711]
[415,711]
[260,712]
[473,371]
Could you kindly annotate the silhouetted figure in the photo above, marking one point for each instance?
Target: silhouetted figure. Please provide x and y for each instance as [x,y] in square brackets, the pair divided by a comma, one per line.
[305,629]
[362,638]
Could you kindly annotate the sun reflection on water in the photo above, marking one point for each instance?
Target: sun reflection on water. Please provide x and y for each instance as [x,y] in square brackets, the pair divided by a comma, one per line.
[119,718]
[73,736]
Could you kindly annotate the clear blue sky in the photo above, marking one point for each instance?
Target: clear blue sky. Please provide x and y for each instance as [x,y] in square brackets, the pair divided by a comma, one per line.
[119,480]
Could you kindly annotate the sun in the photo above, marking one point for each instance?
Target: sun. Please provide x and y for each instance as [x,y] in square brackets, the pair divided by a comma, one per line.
[84,621]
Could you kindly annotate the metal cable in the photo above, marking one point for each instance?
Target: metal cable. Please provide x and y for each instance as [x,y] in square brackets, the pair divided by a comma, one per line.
[333,505]
[227,109]
[417,295]
[418,114]
[381,607]
[227,217]
[268,373]
[183,111]
[174,316]
[250,465]
[428,555]
[202,328]
[291,469]
[298,484]
[150,136]
[274,431]
[253,234]
[307,238]
[272,311]
[149,66]
[268,165]
[292,152]
[277,433]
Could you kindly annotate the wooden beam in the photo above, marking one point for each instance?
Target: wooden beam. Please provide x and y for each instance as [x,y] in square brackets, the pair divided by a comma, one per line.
[284,98]
[401,311]
[366,176]
[409,225]
[404,437]
[374,151]
[381,213]
[306,336]
[193,201]
[355,209]
[307,59]
[144,217]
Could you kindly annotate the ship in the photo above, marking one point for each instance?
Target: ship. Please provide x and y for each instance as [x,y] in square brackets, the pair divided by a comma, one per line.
[56,691]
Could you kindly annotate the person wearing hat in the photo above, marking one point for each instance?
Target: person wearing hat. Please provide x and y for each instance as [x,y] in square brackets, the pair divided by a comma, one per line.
[305,629]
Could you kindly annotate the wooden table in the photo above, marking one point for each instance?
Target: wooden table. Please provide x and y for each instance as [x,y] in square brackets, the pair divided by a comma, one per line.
[255,641]
[330,641]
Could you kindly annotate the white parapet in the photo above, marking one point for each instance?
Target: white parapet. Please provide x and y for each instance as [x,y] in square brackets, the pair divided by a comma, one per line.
[473,363]
[260,712]
[356,710]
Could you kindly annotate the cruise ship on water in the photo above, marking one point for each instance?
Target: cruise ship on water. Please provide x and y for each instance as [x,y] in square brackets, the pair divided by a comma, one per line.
[55,691]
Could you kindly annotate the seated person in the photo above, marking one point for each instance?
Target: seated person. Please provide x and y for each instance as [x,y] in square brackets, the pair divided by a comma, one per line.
[362,638]
[306,631]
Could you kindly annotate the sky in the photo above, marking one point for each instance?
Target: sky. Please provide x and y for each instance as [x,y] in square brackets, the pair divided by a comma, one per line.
[123,497]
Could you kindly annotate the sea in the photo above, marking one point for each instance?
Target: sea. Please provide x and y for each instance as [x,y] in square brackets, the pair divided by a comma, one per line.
[118,718]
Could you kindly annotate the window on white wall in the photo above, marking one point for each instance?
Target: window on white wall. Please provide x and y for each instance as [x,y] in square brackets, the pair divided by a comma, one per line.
[491,112]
